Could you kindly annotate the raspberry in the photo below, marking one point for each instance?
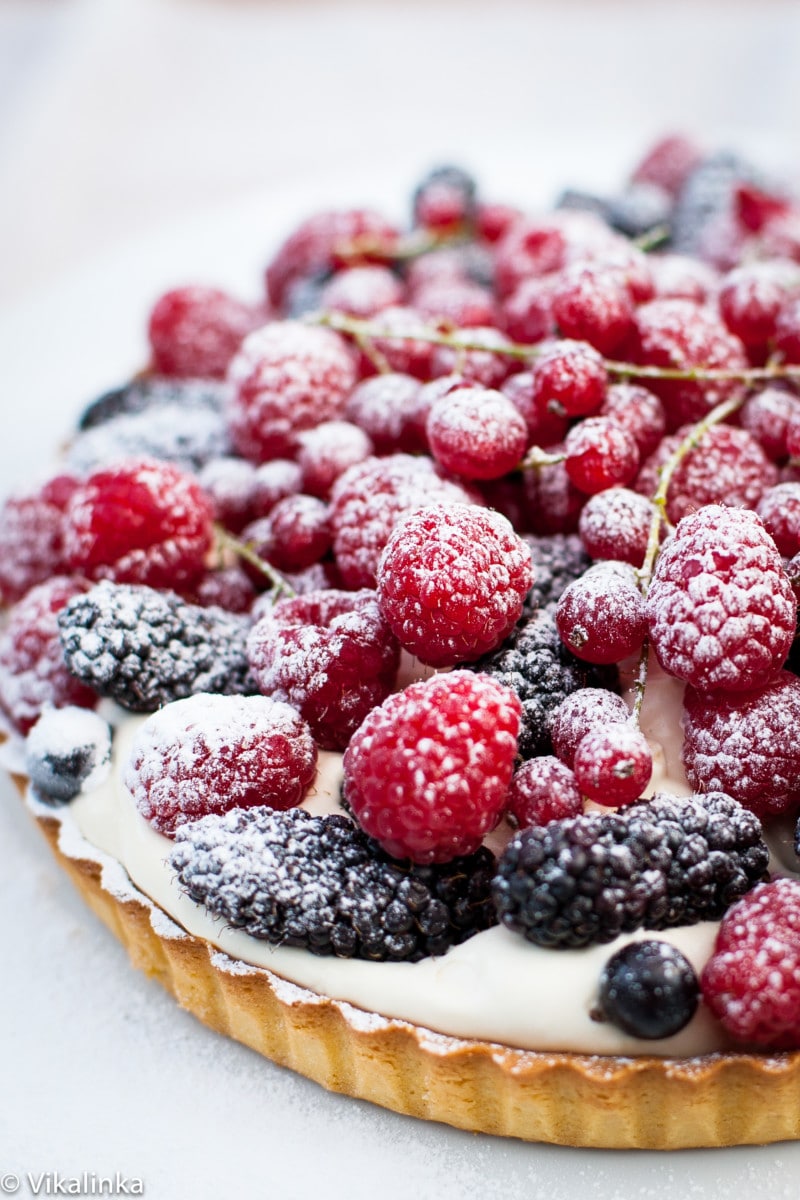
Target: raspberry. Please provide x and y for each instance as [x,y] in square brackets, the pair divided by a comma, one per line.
[751,983]
[615,524]
[362,291]
[328,450]
[495,219]
[527,314]
[33,675]
[678,333]
[543,790]
[601,616]
[553,502]
[528,249]
[648,989]
[767,415]
[727,467]
[669,163]
[747,745]
[787,331]
[679,277]
[476,433]
[67,751]
[227,587]
[600,454]
[444,202]
[720,608]
[287,377]
[240,492]
[751,297]
[144,648]
[386,408]
[569,379]
[370,498]
[584,710]
[322,241]
[329,654]
[779,509]
[638,411]
[591,305]
[451,582]
[345,898]
[428,771]
[459,302]
[489,368]
[32,537]
[613,765]
[195,331]
[669,861]
[396,343]
[295,535]
[140,521]
[209,754]
[544,427]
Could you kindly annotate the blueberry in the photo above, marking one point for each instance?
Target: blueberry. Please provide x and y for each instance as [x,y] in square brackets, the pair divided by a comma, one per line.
[65,748]
[649,990]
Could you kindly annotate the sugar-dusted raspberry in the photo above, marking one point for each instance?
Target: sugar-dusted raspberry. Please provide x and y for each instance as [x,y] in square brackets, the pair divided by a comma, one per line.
[369,499]
[727,467]
[720,608]
[328,450]
[637,410]
[386,408]
[32,537]
[668,163]
[459,262]
[678,333]
[488,367]
[681,277]
[444,201]
[600,454]
[477,433]
[139,521]
[401,341]
[553,502]
[459,302]
[362,291]
[195,331]
[494,219]
[529,248]
[543,790]
[209,754]
[286,377]
[544,427]
[616,524]
[325,240]
[295,534]
[613,764]
[451,582]
[329,654]
[747,744]
[601,616]
[427,773]
[33,674]
[241,492]
[787,331]
[767,415]
[751,983]
[779,509]
[527,314]
[751,297]
[224,587]
[591,305]
[569,378]
[631,267]
[587,709]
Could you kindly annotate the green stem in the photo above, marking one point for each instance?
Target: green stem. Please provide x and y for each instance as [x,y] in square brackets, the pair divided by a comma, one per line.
[245,550]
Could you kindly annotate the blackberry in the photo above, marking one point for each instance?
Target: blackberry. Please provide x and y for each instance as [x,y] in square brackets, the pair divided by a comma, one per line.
[144,648]
[705,196]
[189,435]
[668,861]
[649,990]
[558,560]
[640,209]
[152,392]
[536,664]
[68,750]
[318,882]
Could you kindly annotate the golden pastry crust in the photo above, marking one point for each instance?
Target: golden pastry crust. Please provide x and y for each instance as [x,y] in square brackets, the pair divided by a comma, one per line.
[566,1099]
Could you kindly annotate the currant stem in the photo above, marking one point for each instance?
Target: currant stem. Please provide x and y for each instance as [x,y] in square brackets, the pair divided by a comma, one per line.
[280,584]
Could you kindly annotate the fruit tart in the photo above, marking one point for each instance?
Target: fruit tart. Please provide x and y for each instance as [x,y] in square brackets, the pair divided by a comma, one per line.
[403,666]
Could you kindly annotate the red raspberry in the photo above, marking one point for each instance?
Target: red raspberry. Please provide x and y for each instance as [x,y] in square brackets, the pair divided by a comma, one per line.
[32,537]
[679,277]
[476,433]
[779,509]
[328,450]
[286,377]
[580,713]
[459,302]
[613,765]
[787,331]
[543,790]
[747,745]
[601,616]
[139,522]
[210,753]
[544,428]
[451,582]
[298,533]
[553,502]
[370,498]
[591,305]
[678,333]
[669,163]
[195,332]
[362,291]
[768,415]
[330,655]
[720,608]
[386,407]
[629,266]
[322,241]
[427,773]
[240,492]
[616,524]
[637,410]
[751,983]
[444,202]
[528,311]
[494,220]
[396,342]
[484,367]
[33,675]
[228,587]
[751,297]
[728,466]
[569,379]
[600,454]
[528,249]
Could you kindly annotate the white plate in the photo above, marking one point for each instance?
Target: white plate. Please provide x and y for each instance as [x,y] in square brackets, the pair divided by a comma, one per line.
[102,1072]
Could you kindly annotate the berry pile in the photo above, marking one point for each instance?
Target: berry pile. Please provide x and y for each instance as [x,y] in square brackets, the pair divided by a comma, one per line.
[436,502]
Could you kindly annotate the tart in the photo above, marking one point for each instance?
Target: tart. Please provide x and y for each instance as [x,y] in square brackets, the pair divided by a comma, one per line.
[346,535]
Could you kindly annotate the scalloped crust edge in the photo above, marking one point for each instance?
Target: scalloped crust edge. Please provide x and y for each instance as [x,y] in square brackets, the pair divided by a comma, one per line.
[566,1099]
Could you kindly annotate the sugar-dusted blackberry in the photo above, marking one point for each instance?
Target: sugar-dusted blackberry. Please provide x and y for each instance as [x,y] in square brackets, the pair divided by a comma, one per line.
[557,559]
[319,883]
[189,436]
[536,664]
[649,990]
[668,861]
[152,391]
[705,196]
[67,751]
[144,648]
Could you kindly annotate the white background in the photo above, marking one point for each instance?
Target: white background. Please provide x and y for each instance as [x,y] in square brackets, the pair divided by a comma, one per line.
[145,143]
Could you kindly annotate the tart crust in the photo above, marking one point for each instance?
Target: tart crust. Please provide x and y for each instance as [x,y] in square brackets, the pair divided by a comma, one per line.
[566,1099]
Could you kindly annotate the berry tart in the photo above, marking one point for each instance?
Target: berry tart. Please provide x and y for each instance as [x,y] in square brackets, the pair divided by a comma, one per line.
[403,666]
